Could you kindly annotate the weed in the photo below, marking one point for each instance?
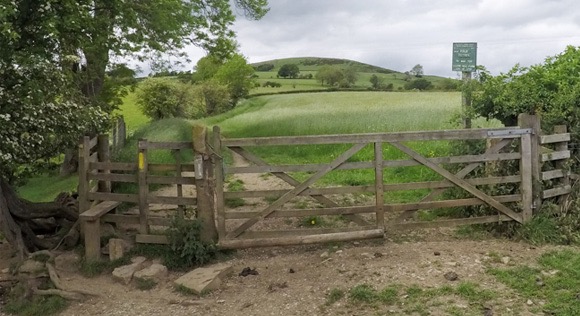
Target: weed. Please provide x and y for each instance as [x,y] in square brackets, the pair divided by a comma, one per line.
[312,221]
[334,295]
[184,290]
[144,284]
[234,202]
[474,232]
[38,305]
[236,185]
[363,293]
[271,198]
[92,269]
[389,295]
[187,249]
[542,229]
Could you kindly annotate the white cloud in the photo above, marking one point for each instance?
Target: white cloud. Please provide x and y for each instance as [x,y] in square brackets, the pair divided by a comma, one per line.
[401,33]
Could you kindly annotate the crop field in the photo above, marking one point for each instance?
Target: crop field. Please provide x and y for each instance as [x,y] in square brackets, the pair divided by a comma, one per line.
[344,113]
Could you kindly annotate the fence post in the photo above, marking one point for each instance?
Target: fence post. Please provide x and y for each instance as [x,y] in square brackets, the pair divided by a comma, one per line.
[104,155]
[83,188]
[560,164]
[533,122]
[379,186]
[143,187]
[178,172]
[219,182]
[121,132]
[205,196]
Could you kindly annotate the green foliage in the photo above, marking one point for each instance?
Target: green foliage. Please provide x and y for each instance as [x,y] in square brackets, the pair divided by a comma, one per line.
[144,284]
[376,81]
[236,74]
[331,75]
[289,71]
[160,98]
[184,290]
[91,269]
[186,245]
[417,71]
[419,84]
[558,273]
[272,84]
[264,67]
[363,293]
[211,98]
[551,89]
[38,305]
[334,296]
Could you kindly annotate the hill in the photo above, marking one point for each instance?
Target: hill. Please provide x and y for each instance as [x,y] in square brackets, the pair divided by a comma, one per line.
[314,63]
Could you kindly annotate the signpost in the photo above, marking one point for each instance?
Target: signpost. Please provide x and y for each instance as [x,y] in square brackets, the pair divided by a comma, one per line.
[465,60]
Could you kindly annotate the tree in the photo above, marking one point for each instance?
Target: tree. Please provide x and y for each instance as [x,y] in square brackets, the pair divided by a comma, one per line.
[417,71]
[332,75]
[53,61]
[419,84]
[350,75]
[289,71]
[551,88]
[376,82]
[206,68]
[236,74]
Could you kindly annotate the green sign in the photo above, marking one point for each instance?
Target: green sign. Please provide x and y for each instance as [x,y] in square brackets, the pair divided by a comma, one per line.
[464,57]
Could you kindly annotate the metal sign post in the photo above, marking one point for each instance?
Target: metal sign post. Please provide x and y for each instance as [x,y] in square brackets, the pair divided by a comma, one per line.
[465,60]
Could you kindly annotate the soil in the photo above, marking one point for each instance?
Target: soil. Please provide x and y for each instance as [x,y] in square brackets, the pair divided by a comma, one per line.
[297,280]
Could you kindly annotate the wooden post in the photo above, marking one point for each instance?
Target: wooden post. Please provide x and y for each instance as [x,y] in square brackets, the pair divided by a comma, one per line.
[178,172]
[104,155]
[533,122]
[84,154]
[202,166]
[219,183]
[379,185]
[526,185]
[466,99]
[143,187]
[561,164]
[121,132]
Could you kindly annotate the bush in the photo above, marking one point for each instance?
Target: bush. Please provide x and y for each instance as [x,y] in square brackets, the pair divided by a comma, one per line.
[187,248]
[272,84]
[264,67]
[419,84]
[160,98]
[211,98]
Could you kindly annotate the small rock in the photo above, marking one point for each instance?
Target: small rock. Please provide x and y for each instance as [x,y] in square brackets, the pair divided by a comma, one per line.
[117,248]
[539,281]
[68,262]
[7,270]
[205,279]
[356,243]
[451,263]
[338,251]
[437,253]
[291,271]
[530,302]
[248,271]
[31,267]
[377,254]
[156,271]
[367,255]
[451,276]
[124,274]
[107,230]
[324,254]
[220,301]
[505,260]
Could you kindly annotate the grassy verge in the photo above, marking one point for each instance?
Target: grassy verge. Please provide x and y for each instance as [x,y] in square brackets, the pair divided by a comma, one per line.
[46,188]
[553,286]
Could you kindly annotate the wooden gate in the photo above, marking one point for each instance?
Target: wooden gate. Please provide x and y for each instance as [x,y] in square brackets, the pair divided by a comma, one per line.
[369,221]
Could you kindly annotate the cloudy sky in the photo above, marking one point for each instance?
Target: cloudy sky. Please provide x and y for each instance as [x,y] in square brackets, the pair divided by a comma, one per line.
[399,34]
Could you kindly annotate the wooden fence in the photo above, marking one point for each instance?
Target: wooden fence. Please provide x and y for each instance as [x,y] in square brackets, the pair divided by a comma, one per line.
[97,174]
[539,174]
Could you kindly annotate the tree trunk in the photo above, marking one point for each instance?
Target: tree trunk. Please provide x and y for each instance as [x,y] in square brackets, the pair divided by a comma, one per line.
[28,226]
[70,163]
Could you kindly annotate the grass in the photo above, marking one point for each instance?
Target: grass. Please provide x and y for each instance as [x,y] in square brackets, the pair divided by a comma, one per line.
[344,113]
[46,188]
[144,284]
[39,305]
[134,118]
[555,281]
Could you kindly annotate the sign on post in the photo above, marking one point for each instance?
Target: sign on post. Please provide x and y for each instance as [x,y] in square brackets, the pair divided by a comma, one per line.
[464,57]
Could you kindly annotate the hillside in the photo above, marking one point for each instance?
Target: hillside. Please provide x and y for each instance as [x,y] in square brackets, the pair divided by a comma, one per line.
[267,72]
[314,63]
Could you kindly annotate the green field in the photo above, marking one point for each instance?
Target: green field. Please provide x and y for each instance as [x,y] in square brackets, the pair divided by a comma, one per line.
[343,113]
[310,65]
